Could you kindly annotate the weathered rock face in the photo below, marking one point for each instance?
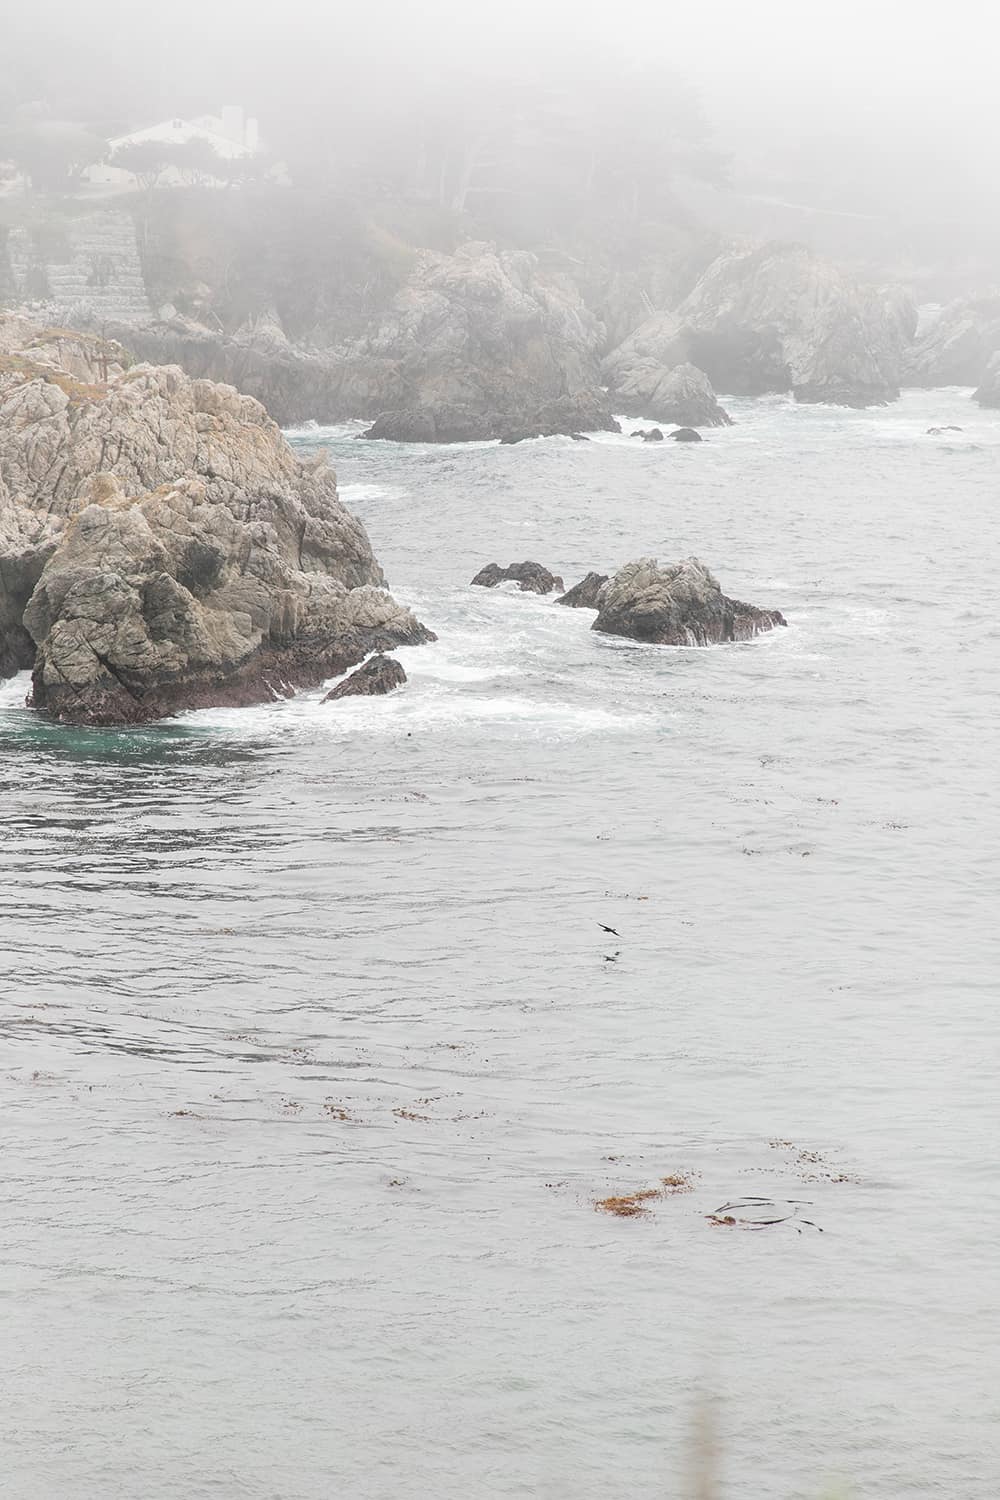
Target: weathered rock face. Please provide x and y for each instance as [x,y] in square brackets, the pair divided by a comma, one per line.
[680,604]
[659,384]
[570,416]
[988,393]
[480,333]
[530,577]
[461,424]
[779,318]
[382,674]
[957,347]
[586,593]
[162,548]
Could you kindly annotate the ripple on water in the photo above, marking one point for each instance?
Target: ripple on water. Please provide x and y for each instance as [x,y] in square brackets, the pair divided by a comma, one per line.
[317,1056]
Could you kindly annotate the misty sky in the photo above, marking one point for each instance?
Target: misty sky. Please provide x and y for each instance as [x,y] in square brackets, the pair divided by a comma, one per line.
[906,87]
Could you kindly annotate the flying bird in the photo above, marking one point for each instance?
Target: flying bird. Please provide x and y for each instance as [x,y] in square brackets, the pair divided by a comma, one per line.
[608,929]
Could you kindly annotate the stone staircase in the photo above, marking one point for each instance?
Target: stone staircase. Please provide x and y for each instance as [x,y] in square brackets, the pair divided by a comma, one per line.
[94,277]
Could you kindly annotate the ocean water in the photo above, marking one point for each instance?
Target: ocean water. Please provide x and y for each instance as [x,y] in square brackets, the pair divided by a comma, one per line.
[316,1058]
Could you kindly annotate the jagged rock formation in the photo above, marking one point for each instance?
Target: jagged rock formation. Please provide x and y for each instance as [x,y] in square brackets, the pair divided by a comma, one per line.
[530,577]
[586,593]
[680,604]
[956,349]
[988,393]
[162,548]
[381,674]
[647,377]
[479,341]
[779,318]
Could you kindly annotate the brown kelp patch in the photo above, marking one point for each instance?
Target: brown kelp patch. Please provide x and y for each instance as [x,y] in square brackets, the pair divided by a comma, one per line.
[635,1205]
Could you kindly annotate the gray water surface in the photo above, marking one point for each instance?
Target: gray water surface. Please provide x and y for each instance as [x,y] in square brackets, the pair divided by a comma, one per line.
[314,1064]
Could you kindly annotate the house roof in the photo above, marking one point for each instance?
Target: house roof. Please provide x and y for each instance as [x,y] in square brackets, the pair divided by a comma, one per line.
[175,132]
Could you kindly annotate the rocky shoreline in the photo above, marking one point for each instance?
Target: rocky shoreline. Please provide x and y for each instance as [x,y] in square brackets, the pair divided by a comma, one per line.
[487,343]
[162,548]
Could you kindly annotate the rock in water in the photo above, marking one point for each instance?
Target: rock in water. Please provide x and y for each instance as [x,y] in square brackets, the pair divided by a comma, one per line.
[381,674]
[585,594]
[162,548]
[680,604]
[650,435]
[463,424]
[530,577]
[687,435]
[662,386]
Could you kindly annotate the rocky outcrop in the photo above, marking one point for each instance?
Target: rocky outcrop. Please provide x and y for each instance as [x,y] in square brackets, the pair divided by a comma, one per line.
[686,435]
[530,577]
[957,347]
[481,333]
[988,393]
[461,424]
[162,548]
[658,384]
[680,604]
[379,675]
[586,593]
[779,318]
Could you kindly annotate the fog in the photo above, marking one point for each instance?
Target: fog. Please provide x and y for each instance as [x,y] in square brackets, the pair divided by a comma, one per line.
[882,109]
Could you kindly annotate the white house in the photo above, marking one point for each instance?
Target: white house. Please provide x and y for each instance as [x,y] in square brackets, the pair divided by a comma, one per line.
[230,133]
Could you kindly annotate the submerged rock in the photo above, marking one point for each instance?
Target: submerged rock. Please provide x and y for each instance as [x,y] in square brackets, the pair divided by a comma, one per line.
[585,594]
[162,548]
[940,431]
[530,577]
[687,435]
[650,435]
[381,674]
[680,604]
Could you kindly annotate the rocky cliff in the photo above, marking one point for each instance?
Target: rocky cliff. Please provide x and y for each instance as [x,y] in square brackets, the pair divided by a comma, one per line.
[483,333]
[162,548]
[779,318]
[956,349]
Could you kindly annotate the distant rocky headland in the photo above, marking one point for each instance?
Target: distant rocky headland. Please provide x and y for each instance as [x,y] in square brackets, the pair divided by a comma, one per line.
[440,337]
